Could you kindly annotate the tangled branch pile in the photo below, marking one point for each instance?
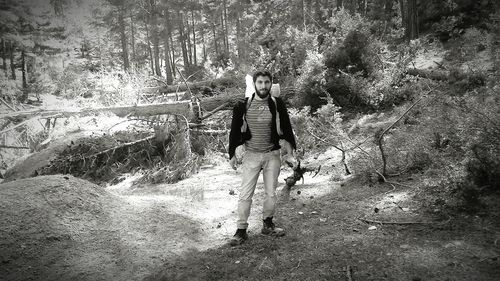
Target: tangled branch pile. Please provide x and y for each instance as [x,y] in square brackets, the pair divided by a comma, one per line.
[161,158]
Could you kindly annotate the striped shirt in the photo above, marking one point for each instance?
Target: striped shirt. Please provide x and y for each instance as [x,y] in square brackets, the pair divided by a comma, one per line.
[259,120]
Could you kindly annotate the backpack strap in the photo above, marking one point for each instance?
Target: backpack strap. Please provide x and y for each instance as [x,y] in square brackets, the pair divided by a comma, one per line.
[278,122]
[244,126]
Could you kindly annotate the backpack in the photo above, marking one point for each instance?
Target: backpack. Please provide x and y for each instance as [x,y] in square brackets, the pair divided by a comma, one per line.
[248,102]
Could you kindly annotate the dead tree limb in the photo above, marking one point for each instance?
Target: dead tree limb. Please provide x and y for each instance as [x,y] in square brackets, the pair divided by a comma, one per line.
[348,270]
[341,149]
[18,125]
[13,147]
[430,74]
[222,106]
[113,149]
[298,173]
[7,105]
[211,132]
[394,222]
[185,82]
[381,136]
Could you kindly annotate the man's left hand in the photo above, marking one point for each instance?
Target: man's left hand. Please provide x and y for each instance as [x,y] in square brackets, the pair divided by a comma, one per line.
[290,161]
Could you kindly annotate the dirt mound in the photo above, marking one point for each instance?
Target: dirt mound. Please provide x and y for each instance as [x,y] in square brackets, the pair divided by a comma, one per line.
[45,218]
[34,163]
[104,157]
[73,155]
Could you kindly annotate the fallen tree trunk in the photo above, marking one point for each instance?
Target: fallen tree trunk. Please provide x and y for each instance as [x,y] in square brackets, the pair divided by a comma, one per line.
[220,82]
[184,108]
[211,132]
[430,74]
[190,110]
[230,100]
[177,108]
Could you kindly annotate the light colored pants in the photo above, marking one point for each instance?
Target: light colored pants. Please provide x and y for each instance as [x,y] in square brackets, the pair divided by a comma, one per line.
[253,162]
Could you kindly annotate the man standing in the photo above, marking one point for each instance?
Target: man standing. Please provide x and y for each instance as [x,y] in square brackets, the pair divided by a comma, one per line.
[259,123]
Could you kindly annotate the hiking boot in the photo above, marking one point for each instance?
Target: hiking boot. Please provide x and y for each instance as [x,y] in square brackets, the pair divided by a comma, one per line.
[268,228]
[239,237]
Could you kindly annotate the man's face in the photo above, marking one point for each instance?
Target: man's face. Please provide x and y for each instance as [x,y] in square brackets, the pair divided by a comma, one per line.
[262,86]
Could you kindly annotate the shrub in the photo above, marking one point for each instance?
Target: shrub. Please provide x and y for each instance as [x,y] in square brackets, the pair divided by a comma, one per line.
[310,83]
[195,72]
[445,29]
[483,168]
[352,56]
[343,22]
[300,123]
[463,82]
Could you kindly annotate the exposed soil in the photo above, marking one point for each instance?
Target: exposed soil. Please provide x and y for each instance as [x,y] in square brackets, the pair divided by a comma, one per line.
[60,227]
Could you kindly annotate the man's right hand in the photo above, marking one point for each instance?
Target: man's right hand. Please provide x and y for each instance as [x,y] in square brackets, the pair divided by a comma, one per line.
[232,162]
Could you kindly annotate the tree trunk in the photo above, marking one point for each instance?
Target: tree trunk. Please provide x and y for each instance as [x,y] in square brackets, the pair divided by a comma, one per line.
[168,59]
[194,38]
[317,11]
[402,9]
[389,5]
[238,37]
[12,62]
[24,96]
[58,7]
[412,20]
[23,69]
[150,50]
[362,7]
[215,41]
[376,10]
[303,10]
[172,46]
[154,36]
[82,48]
[352,6]
[188,41]
[156,50]
[204,47]
[387,15]
[132,36]
[224,27]
[4,57]
[339,4]
[308,10]
[328,7]
[123,38]
[182,40]
[223,33]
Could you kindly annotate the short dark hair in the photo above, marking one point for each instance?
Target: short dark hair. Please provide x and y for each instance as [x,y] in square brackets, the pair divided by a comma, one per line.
[262,73]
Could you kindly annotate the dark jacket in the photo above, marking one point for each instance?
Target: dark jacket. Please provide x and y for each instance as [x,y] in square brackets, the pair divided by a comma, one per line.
[236,137]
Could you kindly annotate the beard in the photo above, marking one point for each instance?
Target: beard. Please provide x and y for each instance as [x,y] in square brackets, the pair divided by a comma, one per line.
[263,93]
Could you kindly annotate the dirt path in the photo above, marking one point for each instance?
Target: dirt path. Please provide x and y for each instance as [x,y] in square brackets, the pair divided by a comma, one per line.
[62,228]
[326,241]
